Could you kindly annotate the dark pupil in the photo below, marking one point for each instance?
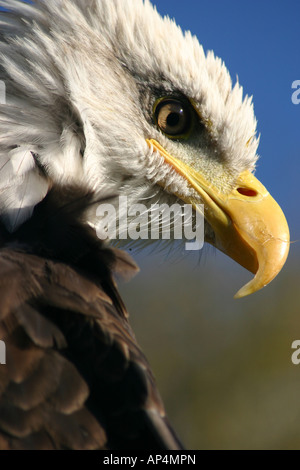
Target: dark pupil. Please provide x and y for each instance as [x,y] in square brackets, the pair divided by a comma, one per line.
[173,119]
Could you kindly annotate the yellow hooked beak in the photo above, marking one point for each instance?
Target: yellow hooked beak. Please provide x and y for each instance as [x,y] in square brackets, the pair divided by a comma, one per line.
[248,223]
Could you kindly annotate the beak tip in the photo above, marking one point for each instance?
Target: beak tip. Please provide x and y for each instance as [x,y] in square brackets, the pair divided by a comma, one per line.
[245,291]
[267,271]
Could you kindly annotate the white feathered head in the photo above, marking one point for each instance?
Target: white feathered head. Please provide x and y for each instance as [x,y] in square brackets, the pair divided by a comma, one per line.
[113,97]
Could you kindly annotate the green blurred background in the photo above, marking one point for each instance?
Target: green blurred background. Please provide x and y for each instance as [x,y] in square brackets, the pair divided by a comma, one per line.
[223,366]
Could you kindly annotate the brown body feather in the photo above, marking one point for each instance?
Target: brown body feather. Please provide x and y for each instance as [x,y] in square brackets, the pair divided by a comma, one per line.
[75,376]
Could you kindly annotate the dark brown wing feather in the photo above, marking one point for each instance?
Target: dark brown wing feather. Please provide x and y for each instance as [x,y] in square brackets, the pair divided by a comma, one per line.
[75,377]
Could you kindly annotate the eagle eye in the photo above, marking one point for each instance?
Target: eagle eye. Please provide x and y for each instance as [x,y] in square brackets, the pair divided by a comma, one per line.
[173,117]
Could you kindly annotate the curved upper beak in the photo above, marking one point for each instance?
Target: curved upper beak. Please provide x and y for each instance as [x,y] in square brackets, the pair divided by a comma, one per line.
[248,223]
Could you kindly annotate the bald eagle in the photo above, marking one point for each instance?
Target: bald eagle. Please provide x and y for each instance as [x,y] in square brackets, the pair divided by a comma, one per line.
[103,100]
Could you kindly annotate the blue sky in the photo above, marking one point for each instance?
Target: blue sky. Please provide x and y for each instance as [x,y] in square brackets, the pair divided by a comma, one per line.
[260,42]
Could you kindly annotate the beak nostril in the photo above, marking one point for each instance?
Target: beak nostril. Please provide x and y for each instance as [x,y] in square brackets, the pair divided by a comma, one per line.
[247,192]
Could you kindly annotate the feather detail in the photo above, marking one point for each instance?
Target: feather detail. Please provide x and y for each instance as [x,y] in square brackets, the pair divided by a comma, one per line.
[75,372]
[22,187]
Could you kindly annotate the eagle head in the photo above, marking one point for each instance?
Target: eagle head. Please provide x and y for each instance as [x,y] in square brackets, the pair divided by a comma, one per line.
[116,99]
